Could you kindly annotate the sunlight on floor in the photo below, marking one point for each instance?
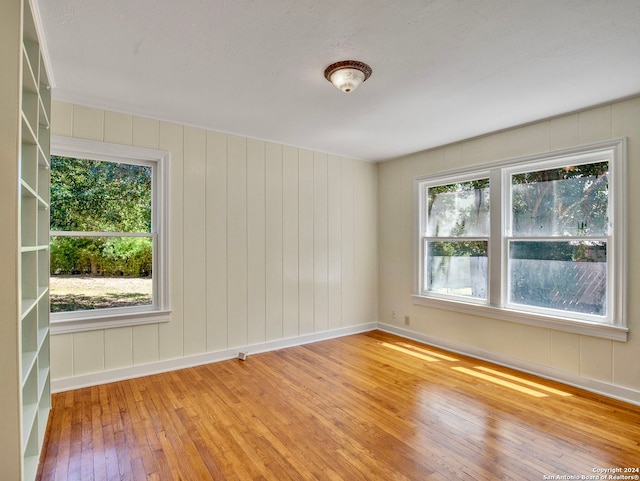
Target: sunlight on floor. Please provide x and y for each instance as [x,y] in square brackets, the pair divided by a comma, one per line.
[410,352]
[524,381]
[481,372]
[501,382]
[426,351]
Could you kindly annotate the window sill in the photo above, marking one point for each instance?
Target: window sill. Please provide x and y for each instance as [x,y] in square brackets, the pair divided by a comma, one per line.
[93,322]
[614,333]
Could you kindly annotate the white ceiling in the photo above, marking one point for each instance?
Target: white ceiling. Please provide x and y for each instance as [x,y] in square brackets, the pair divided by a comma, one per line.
[443,70]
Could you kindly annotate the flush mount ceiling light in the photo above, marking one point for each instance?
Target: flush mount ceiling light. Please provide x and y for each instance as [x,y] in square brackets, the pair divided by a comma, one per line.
[348,74]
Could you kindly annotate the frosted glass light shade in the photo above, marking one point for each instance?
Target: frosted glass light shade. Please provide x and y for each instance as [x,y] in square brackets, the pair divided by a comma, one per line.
[347,75]
[347,79]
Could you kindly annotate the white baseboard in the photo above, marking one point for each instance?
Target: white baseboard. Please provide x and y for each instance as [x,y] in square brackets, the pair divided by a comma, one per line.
[93,379]
[566,377]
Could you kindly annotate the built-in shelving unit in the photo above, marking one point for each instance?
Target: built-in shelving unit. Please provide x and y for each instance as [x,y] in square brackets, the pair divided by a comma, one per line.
[34,236]
[28,277]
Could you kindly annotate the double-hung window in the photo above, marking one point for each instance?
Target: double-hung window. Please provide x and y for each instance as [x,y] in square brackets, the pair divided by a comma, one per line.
[539,240]
[456,238]
[108,235]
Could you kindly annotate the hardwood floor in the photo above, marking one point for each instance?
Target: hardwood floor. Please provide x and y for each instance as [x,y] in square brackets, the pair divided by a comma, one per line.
[365,407]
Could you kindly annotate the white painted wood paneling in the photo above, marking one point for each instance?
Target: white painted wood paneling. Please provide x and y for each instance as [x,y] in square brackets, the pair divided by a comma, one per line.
[61,118]
[88,123]
[61,356]
[216,255]
[360,232]
[348,241]
[596,358]
[194,253]
[171,333]
[145,344]
[537,347]
[274,260]
[565,351]
[290,245]
[118,347]
[320,243]
[88,352]
[365,235]
[237,241]
[450,158]
[564,132]
[537,138]
[595,124]
[334,241]
[389,239]
[256,214]
[118,128]
[305,242]
[474,152]
[145,132]
[625,120]
[507,144]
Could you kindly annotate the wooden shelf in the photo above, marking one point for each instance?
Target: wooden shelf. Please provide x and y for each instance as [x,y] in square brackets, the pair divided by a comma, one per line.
[27,305]
[29,412]
[28,134]
[28,361]
[29,403]
[34,248]
[27,191]
[43,410]
[42,291]
[43,378]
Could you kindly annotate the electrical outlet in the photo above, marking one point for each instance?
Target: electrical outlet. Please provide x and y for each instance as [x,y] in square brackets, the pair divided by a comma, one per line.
[393,315]
[407,320]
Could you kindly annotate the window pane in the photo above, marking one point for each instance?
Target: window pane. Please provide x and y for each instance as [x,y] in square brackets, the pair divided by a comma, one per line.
[100,272]
[94,196]
[458,210]
[564,275]
[566,201]
[457,268]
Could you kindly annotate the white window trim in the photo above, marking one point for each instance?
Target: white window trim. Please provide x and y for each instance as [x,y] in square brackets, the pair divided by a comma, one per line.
[125,316]
[496,306]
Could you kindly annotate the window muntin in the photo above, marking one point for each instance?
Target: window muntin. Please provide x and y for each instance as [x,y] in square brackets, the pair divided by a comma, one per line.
[572,235]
